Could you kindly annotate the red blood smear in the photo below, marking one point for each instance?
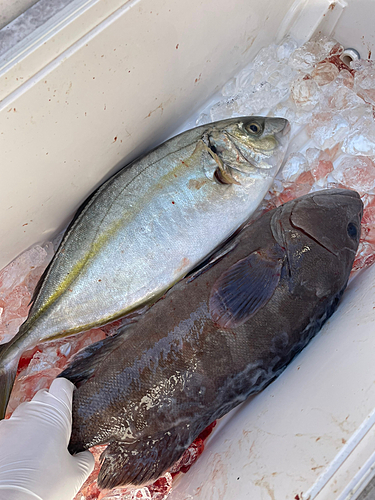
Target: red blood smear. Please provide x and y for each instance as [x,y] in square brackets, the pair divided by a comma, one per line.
[366,251]
[334,151]
[39,366]
[194,451]
[320,169]
[160,488]
[207,431]
[368,225]
[365,257]
[301,186]
[357,173]
[334,58]
[25,359]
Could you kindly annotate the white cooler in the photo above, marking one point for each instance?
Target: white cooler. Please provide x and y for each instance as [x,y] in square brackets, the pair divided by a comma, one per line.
[101,81]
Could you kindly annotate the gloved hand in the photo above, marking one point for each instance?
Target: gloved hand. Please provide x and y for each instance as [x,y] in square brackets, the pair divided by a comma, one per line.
[34,460]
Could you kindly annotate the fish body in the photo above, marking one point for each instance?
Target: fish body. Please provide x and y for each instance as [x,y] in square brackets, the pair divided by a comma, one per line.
[215,338]
[147,227]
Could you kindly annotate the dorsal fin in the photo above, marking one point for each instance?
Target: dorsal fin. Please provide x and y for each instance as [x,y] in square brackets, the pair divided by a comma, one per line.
[87,360]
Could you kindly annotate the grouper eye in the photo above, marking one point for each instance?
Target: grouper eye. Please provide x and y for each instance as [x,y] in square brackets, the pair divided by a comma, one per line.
[254,128]
[352,230]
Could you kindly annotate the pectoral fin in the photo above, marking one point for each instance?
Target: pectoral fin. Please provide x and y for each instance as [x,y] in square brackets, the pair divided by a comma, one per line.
[244,288]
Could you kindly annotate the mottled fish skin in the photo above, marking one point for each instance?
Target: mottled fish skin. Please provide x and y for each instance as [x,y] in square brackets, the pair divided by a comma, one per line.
[214,339]
[148,226]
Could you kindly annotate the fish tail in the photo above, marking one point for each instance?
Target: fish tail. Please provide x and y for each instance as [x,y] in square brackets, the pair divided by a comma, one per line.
[142,461]
[8,372]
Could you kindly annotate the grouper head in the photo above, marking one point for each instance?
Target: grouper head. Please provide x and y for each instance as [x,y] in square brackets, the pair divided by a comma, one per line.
[248,145]
[320,230]
[309,256]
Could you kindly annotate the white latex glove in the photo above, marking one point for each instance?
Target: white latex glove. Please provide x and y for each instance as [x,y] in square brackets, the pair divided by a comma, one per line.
[34,460]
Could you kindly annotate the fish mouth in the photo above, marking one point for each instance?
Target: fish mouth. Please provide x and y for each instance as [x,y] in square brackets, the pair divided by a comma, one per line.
[286,130]
[282,136]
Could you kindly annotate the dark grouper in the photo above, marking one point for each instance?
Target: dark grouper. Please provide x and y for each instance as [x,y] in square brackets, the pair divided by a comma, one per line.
[215,338]
[148,226]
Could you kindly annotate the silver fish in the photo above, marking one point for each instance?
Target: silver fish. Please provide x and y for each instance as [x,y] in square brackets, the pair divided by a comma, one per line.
[214,339]
[148,226]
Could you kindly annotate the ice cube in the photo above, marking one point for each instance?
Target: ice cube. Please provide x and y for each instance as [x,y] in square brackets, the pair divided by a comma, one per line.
[224,109]
[310,53]
[328,46]
[361,139]
[295,165]
[356,173]
[320,165]
[368,225]
[300,187]
[345,78]
[304,58]
[258,72]
[265,97]
[365,256]
[320,169]
[265,61]
[17,281]
[313,154]
[282,76]
[203,119]
[140,494]
[351,107]
[161,488]
[296,115]
[364,80]
[305,93]
[16,272]
[27,386]
[324,73]
[243,79]
[229,88]
[334,152]
[286,47]
[9,327]
[327,129]
[368,200]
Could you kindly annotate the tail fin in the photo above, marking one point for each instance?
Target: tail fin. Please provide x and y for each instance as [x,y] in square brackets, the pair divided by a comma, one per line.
[142,461]
[8,372]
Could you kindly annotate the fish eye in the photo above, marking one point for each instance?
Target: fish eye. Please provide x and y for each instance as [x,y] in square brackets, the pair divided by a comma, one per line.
[254,128]
[352,230]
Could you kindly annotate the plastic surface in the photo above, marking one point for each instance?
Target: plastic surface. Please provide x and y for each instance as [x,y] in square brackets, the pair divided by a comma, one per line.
[10,9]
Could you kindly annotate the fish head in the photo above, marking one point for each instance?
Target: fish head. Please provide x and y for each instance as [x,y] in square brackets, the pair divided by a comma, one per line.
[250,144]
[320,230]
